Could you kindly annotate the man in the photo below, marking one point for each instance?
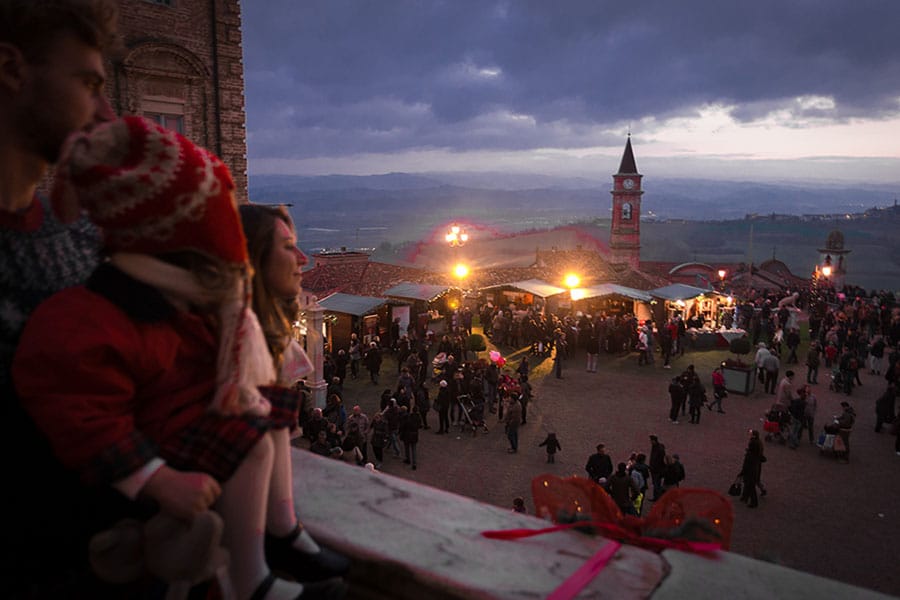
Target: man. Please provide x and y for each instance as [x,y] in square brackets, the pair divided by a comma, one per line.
[51,85]
[442,404]
[599,465]
[657,465]
[677,397]
[525,393]
[771,366]
[623,490]
[361,420]
[797,408]
[673,474]
[785,392]
[560,344]
[373,361]
[762,351]
[512,421]
[842,426]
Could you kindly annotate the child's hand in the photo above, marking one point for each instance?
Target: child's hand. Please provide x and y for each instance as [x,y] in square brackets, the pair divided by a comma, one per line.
[182,494]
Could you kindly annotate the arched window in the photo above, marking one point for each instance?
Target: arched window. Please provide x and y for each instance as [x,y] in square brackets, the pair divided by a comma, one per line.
[626,211]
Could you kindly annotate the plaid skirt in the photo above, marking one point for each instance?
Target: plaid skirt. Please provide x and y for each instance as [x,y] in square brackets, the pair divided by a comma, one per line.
[217,444]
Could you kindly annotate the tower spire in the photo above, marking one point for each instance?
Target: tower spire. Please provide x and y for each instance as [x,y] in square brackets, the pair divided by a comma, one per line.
[628,165]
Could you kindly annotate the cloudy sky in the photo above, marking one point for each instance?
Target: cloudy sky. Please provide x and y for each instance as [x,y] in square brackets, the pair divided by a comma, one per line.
[806,89]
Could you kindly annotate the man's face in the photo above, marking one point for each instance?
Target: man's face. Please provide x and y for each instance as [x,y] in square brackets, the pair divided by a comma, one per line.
[62,93]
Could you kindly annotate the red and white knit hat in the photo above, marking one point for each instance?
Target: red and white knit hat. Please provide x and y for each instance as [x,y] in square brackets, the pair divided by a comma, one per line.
[152,191]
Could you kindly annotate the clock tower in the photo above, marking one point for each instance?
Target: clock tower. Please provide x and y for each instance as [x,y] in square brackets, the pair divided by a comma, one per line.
[625,230]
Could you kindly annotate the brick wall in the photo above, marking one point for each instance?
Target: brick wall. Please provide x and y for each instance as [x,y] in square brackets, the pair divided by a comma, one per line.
[185,60]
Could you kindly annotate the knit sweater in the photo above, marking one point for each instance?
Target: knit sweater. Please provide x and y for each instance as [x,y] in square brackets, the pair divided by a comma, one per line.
[39,256]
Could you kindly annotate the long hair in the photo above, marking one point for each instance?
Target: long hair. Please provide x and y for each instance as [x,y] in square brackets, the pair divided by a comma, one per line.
[275,314]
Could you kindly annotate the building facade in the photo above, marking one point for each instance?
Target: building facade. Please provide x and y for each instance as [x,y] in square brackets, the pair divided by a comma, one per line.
[182,67]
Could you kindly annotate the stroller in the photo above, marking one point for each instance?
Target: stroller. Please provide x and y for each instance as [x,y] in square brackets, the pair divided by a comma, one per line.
[777,424]
[471,414]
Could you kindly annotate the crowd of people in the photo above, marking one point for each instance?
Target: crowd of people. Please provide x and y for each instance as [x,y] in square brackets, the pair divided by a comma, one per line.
[146,320]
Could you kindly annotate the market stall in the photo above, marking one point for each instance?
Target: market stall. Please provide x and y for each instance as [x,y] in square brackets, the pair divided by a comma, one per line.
[346,314]
[527,294]
[613,299]
[705,313]
[431,305]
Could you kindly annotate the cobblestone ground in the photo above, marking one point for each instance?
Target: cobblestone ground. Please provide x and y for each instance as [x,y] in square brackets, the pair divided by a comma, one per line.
[834,520]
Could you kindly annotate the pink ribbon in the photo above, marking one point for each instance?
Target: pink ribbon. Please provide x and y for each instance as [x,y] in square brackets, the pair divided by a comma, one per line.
[576,582]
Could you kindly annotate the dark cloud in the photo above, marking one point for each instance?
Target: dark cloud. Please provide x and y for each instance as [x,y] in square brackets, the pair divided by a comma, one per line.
[332,77]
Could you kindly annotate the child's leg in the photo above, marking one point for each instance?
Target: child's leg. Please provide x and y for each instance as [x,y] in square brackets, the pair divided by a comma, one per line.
[281,517]
[243,509]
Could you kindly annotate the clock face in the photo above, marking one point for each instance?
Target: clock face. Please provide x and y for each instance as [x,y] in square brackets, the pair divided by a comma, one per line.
[628,184]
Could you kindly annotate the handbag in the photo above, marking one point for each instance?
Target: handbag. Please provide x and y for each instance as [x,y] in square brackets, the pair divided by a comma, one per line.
[736,488]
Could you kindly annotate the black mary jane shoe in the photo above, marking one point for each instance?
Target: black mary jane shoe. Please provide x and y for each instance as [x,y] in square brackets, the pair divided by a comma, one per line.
[303,566]
[329,589]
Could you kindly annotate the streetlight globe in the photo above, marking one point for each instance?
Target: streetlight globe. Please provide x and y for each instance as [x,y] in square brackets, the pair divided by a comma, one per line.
[721,273]
[572,280]
[461,271]
[826,271]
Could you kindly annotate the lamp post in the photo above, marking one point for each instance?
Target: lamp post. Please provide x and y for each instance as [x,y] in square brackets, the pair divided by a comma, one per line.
[456,236]
[572,281]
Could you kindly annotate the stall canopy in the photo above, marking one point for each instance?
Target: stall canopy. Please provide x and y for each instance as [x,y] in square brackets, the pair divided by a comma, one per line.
[417,291]
[535,287]
[612,289]
[349,304]
[678,291]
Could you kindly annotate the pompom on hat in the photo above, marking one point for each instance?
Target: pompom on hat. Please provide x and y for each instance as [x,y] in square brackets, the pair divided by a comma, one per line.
[151,191]
[154,192]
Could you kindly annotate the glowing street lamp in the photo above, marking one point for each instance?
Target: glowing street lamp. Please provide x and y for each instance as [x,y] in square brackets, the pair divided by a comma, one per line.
[461,271]
[572,282]
[456,236]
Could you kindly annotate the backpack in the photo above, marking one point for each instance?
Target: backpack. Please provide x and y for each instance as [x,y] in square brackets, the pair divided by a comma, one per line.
[639,479]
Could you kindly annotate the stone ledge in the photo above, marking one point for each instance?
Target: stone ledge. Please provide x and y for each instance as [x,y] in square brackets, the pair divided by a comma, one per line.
[410,541]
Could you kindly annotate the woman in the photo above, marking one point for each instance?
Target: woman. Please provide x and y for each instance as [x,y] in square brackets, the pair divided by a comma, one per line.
[355,352]
[143,408]
[278,263]
[409,435]
[379,438]
[751,469]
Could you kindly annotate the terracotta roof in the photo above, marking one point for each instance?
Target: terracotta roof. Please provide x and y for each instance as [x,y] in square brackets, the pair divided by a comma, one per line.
[374,278]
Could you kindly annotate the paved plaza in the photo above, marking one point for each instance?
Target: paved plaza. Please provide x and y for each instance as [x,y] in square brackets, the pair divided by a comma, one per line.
[834,520]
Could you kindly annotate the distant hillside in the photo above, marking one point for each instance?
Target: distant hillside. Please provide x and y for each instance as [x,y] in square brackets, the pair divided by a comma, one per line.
[388,211]
[692,199]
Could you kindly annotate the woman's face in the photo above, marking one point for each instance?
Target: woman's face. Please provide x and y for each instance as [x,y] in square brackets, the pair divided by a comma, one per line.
[281,273]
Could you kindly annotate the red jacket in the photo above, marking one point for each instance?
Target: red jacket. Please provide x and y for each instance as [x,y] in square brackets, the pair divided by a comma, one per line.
[107,389]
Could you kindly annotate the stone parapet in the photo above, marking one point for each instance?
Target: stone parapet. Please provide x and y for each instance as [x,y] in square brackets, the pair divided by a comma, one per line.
[410,541]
